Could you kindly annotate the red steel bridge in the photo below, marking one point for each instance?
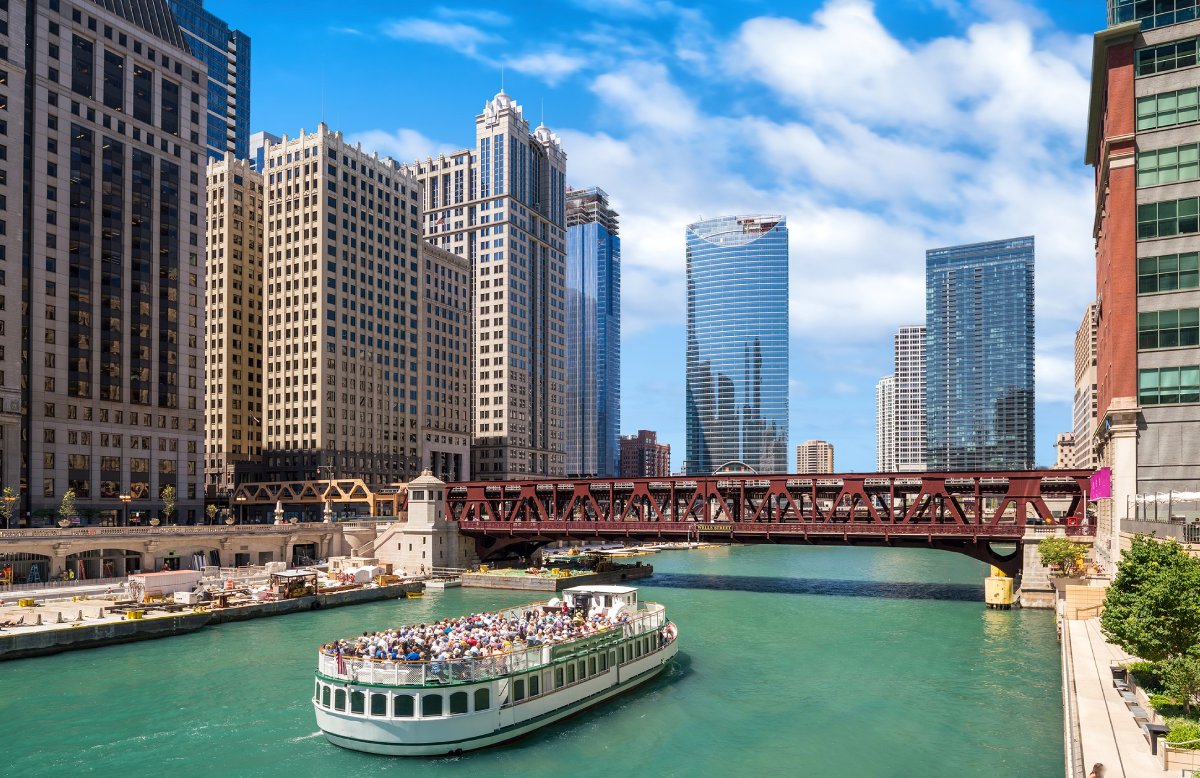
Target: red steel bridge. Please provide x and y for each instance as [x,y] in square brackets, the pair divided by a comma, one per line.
[955,511]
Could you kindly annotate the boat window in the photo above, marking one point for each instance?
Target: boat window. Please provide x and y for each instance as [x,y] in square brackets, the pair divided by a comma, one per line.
[431,704]
[518,693]
[582,669]
[458,703]
[483,699]
[339,699]
[621,654]
[591,665]
[534,684]
[402,708]
[603,662]
[378,704]
[637,648]
[358,702]
[325,696]
[558,678]
[571,673]
[317,695]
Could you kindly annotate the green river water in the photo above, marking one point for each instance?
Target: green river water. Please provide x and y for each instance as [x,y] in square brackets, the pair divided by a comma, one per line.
[793,661]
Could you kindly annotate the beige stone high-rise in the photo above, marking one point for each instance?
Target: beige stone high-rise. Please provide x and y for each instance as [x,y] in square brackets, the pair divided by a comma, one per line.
[104,105]
[444,329]
[814,457]
[233,387]
[501,205]
[342,278]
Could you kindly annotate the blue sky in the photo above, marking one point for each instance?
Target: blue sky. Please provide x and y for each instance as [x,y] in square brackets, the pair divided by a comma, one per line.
[880,130]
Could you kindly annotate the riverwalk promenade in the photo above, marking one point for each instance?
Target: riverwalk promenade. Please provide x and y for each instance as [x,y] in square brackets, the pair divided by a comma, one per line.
[1104,728]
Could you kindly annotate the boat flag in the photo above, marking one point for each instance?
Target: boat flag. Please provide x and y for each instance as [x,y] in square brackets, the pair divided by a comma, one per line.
[341,662]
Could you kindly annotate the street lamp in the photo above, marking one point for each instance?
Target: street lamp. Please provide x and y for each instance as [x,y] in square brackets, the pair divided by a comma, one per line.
[125,499]
[241,501]
[9,499]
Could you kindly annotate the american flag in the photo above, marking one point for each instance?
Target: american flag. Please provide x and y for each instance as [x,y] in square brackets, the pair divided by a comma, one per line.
[341,662]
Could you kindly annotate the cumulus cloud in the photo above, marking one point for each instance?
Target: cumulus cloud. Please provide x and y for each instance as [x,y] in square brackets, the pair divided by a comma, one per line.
[402,145]
[550,66]
[461,37]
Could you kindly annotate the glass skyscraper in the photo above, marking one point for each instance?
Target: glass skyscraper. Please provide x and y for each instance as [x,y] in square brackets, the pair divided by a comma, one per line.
[593,409]
[226,54]
[737,343]
[979,356]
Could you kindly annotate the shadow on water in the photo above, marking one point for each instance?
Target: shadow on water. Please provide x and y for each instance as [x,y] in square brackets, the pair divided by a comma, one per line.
[819,586]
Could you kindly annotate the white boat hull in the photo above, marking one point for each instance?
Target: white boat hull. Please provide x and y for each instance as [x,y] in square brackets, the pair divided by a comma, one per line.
[470,731]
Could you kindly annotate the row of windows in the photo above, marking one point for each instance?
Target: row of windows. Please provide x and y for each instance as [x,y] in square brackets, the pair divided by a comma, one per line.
[1166,166]
[1169,56]
[1169,329]
[1151,13]
[1167,109]
[1171,217]
[1169,385]
[1168,273]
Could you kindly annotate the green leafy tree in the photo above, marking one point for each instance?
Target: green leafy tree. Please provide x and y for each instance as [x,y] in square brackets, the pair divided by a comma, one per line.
[66,509]
[8,499]
[1181,676]
[1152,608]
[1066,556]
[211,510]
[168,501]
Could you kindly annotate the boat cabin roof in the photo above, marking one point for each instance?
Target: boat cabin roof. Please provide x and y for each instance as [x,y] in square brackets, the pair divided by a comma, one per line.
[601,589]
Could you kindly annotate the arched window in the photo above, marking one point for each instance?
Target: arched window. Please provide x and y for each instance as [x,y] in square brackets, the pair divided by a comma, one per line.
[339,699]
[518,692]
[535,683]
[571,673]
[458,703]
[591,665]
[325,696]
[622,654]
[483,699]
[558,678]
[403,707]
[378,704]
[431,704]
[604,661]
[358,702]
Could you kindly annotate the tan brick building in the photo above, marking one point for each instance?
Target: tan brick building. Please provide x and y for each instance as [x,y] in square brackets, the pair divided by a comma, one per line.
[444,406]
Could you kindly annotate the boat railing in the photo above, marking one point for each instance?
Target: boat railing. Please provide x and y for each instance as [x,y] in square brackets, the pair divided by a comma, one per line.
[395,672]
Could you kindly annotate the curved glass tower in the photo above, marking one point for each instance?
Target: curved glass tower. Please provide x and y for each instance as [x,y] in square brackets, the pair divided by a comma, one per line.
[737,343]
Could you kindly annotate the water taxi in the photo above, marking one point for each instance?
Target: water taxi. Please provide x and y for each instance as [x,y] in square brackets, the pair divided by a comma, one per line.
[601,641]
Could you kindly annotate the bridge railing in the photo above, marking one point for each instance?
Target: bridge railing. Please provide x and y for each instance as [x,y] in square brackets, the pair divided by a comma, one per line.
[395,672]
[201,529]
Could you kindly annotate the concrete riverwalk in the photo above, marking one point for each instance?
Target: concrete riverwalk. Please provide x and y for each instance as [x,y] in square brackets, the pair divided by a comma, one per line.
[1102,727]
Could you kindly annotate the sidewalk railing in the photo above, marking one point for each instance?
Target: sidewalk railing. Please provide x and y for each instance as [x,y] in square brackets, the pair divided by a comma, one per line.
[43,585]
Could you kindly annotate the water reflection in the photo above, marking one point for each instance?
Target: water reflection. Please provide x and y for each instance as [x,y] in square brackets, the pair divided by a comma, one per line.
[820,586]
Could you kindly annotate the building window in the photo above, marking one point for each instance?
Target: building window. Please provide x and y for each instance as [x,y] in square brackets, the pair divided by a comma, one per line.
[1168,218]
[1168,273]
[1169,329]
[1151,13]
[1169,56]
[1167,109]
[1166,166]
[1169,385]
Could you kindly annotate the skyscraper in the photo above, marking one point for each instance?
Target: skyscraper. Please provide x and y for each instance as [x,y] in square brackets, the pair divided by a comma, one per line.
[814,457]
[1141,140]
[444,325]
[642,456]
[593,407]
[1084,405]
[737,343]
[108,279]
[909,361]
[979,356]
[501,204]
[226,53]
[885,424]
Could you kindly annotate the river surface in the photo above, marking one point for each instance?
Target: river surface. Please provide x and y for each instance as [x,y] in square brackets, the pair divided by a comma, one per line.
[793,661]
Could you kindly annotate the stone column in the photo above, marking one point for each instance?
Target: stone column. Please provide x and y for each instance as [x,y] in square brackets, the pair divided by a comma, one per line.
[1119,451]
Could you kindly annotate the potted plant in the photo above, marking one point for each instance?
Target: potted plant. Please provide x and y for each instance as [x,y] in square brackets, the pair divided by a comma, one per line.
[211,512]
[1064,557]
[168,500]
[66,509]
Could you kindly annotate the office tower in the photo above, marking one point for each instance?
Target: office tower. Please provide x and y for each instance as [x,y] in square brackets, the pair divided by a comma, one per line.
[1065,445]
[814,457]
[233,315]
[642,456]
[1084,405]
[258,145]
[226,53]
[1141,140]
[737,343]
[979,356]
[909,362]
[444,374]
[885,424]
[501,205]
[343,284]
[109,202]
[593,407]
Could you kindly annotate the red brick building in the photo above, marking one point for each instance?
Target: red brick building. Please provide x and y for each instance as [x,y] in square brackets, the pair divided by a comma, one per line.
[642,456]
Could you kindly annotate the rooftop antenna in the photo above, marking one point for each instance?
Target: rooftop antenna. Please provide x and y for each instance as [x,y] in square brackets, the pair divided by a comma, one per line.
[501,76]
[542,121]
[322,97]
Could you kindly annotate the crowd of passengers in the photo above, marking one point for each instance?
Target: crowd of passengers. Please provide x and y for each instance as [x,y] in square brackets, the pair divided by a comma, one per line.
[477,635]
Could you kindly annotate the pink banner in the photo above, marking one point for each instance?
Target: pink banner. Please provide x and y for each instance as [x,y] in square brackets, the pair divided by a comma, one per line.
[1100,484]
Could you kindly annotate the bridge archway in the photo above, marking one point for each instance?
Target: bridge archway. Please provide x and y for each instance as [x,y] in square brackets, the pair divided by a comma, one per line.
[20,567]
[104,563]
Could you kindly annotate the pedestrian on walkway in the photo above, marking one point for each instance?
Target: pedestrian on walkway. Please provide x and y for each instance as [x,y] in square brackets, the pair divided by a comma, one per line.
[1097,771]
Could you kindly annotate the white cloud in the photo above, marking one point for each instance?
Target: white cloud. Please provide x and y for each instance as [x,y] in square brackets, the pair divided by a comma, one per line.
[644,94]
[478,15]
[463,38]
[402,145]
[550,66]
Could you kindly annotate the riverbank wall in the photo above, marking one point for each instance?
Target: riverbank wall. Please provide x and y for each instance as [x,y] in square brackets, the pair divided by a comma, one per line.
[72,637]
[531,583]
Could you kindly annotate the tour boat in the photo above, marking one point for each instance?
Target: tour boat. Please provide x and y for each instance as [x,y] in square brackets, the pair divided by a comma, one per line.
[432,708]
